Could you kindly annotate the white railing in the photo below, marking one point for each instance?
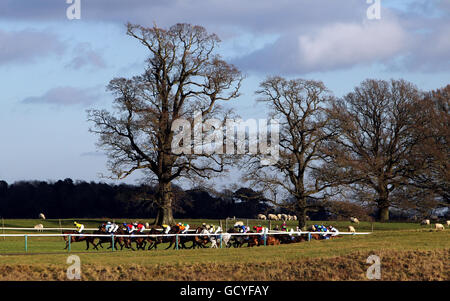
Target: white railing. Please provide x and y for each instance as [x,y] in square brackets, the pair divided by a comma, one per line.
[181,234]
[220,235]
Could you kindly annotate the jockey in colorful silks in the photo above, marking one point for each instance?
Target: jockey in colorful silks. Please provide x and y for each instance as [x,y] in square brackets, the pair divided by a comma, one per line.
[166,228]
[183,227]
[109,227]
[79,227]
[334,230]
[284,227]
[321,228]
[140,228]
[258,228]
[130,228]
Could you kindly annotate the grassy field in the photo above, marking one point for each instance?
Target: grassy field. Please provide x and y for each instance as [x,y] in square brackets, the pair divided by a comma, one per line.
[407,251]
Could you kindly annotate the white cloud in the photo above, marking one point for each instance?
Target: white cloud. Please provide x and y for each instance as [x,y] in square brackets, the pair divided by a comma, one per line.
[346,44]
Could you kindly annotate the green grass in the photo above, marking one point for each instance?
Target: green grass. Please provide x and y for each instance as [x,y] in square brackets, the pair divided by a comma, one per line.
[46,257]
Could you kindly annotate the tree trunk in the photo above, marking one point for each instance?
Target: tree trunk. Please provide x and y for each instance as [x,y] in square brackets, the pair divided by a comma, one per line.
[383,210]
[383,213]
[164,215]
[301,213]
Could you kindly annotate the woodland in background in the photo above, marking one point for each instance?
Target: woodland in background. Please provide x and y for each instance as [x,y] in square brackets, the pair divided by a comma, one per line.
[79,199]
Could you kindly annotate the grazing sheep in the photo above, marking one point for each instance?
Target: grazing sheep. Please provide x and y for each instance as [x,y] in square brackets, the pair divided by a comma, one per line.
[439,227]
[294,217]
[41,216]
[279,216]
[273,217]
[351,229]
[354,220]
[425,222]
[284,217]
[261,216]
[448,223]
[39,227]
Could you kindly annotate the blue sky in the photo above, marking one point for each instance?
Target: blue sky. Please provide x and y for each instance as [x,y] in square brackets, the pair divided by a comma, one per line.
[52,69]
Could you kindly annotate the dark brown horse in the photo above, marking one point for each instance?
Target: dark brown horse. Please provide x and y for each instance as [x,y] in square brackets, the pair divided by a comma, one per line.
[87,239]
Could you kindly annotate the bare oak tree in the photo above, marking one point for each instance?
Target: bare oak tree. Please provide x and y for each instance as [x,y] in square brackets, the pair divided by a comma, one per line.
[377,123]
[299,106]
[431,157]
[183,75]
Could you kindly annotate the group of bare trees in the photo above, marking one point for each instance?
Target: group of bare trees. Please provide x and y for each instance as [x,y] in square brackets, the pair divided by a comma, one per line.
[386,141]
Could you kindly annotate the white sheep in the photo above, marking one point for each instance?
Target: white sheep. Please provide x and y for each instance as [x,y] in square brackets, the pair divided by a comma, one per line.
[425,222]
[294,217]
[289,217]
[448,223]
[351,229]
[41,216]
[261,216]
[284,217]
[439,227]
[354,220]
[39,227]
[239,223]
[273,217]
[279,216]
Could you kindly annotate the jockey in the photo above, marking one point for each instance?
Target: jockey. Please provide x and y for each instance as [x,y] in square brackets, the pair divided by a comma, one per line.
[130,228]
[166,228]
[79,227]
[181,226]
[334,230]
[218,229]
[109,227]
[283,227]
[258,228]
[114,227]
[140,228]
[242,229]
[186,228]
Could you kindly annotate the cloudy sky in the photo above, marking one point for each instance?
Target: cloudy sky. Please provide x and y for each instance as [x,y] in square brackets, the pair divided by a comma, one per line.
[52,68]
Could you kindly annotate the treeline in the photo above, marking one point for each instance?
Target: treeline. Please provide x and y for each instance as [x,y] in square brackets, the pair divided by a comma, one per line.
[79,199]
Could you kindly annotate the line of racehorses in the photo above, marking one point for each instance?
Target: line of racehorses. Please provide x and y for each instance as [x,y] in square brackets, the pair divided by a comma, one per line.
[140,241]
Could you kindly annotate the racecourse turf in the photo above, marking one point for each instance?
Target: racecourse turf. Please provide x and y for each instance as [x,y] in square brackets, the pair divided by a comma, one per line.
[408,251]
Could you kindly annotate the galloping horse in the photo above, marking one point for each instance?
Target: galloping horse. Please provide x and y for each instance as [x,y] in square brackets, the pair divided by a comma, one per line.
[155,241]
[88,239]
[199,241]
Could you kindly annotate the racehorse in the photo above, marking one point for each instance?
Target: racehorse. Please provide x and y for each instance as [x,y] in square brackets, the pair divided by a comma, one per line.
[239,240]
[88,239]
[200,241]
[155,241]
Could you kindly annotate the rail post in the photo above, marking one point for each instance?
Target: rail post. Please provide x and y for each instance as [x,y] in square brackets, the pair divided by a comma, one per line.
[70,240]
[309,236]
[112,242]
[265,239]
[176,241]
[221,240]
[26,243]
